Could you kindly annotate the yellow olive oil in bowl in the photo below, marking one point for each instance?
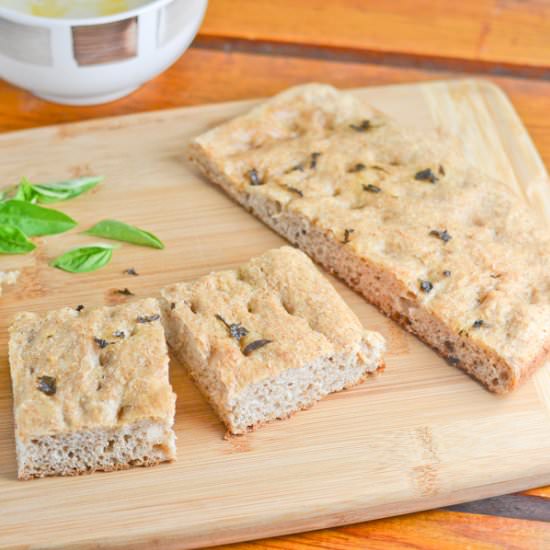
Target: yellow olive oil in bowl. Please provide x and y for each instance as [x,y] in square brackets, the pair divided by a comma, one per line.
[72,8]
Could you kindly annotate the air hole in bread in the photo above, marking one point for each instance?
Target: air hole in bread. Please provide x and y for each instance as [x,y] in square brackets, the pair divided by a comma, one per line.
[289,308]
[120,413]
[400,318]
[482,298]
[449,345]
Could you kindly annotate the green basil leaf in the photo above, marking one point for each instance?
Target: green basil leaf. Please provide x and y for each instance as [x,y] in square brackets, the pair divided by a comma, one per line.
[34,220]
[14,241]
[25,192]
[119,231]
[46,193]
[85,259]
[64,190]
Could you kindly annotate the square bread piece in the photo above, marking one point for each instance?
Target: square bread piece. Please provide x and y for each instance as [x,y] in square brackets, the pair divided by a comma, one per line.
[402,217]
[91,390]
[267,339]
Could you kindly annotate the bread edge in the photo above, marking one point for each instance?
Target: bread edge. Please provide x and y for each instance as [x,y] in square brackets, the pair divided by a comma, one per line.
[26,472]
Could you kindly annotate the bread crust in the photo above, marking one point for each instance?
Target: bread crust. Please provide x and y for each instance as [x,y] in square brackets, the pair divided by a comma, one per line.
[72,472]
[485,305]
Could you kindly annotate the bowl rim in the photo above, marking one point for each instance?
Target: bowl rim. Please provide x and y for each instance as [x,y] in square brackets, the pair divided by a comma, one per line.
[40,21]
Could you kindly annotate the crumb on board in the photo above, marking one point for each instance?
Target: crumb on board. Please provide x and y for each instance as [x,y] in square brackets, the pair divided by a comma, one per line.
[116,296]
[8,278]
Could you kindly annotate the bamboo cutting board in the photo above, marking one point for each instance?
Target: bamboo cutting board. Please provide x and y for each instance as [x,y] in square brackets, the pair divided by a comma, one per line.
[421,435]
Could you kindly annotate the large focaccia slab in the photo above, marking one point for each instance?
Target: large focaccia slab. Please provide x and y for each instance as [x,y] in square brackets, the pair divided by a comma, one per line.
[437,245]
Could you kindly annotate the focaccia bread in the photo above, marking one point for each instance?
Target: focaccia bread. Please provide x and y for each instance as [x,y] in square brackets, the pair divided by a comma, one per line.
[437,245]
[91,390]
[267,339]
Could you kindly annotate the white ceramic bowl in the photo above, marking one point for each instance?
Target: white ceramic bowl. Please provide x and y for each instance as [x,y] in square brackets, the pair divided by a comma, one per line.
[94,60]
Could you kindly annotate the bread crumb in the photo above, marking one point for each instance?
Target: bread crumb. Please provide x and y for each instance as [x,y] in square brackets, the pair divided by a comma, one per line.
[8,278]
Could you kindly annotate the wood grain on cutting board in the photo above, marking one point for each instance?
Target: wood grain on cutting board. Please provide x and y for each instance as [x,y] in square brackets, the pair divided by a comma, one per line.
[421,435]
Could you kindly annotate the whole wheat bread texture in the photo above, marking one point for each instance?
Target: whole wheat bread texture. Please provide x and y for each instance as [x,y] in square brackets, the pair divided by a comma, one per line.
[91,390]
[267,339]
[435,244]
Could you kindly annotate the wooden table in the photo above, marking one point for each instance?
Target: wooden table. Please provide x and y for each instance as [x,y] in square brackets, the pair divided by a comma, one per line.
[252,48]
